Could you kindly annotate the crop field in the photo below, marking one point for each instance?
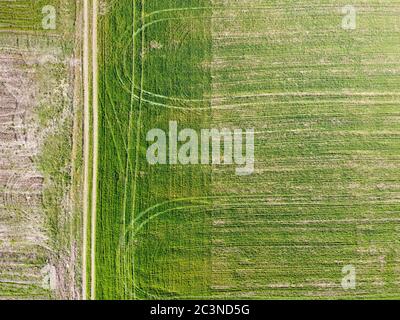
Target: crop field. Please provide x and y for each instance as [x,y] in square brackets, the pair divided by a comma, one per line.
[323,102]
[23,15]
[151,209]
[38,254]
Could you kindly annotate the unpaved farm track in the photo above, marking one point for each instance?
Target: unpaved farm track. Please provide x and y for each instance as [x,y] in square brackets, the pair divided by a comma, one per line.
[95,150]
[86,144]
[90,164]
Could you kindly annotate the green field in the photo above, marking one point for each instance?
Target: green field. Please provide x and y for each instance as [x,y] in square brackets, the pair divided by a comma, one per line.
[24,15]
[324,105]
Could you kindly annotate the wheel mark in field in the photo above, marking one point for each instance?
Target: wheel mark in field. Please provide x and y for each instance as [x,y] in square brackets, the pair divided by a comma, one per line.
[203,205]
[116,117]
[158,95]
[137,219]
[172,9]
[244,201]
[142,28]
[109,125]
[128,157]
[199,209]
[138,128]
[247,8]
[245,206]
[112,127]
[139,227]
[193,199]
[201,200]
[137,288]
[151,93]
[269,94]
[204,200]
[145,293]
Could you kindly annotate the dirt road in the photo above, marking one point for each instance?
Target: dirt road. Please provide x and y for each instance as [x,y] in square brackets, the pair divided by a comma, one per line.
[87,151]
[95,149]
[86,140]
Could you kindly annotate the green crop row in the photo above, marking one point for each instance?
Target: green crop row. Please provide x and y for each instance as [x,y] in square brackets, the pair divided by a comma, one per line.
[150,60]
